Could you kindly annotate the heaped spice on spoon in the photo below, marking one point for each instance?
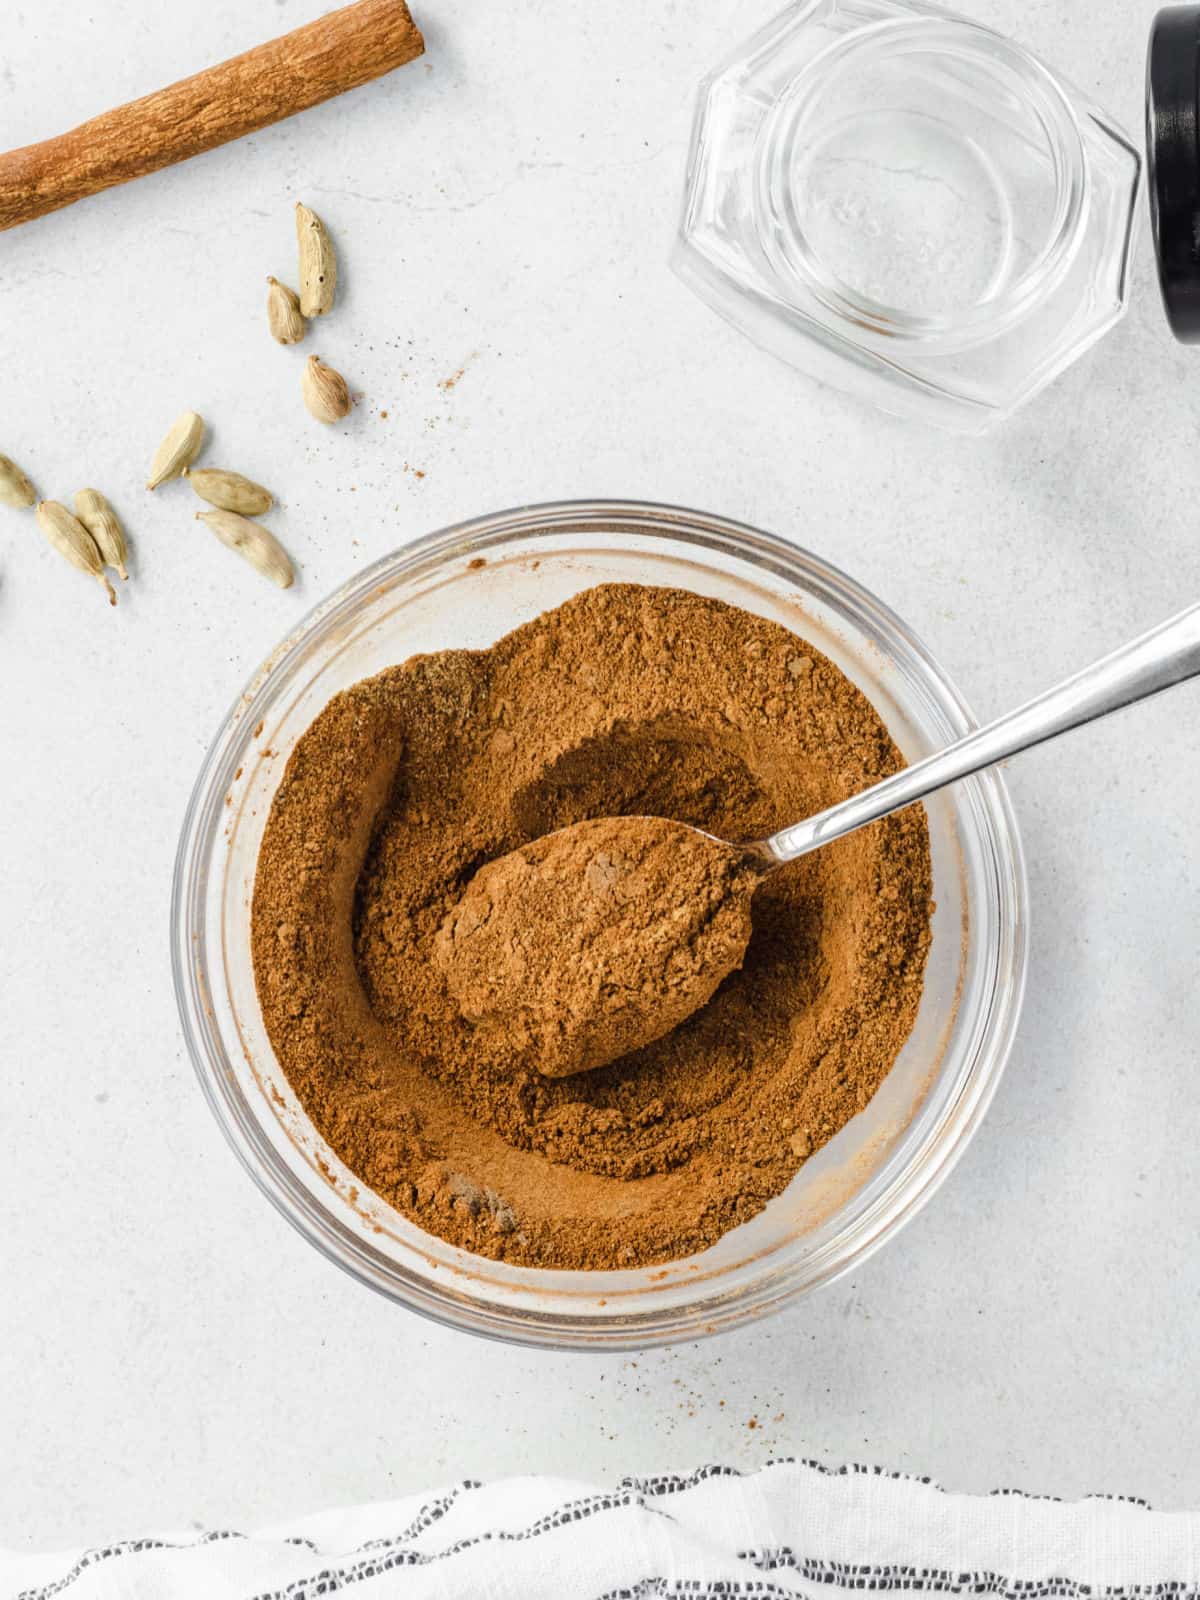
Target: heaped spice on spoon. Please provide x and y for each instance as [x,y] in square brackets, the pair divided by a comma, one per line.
[625,701]
[597,939]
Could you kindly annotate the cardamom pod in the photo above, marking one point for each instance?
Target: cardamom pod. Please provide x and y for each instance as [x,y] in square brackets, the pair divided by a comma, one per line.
[15,488]
[229,491]
[284,317]
[257,544]
[318,263]
[325,391]
[71,539]
[102,522]
[178,450]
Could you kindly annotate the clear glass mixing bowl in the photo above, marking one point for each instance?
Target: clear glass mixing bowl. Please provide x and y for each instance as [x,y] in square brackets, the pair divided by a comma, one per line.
[466,586]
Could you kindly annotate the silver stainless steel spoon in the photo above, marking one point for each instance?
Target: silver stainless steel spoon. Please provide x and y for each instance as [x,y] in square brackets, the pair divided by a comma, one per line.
[1167,655]
[533,915]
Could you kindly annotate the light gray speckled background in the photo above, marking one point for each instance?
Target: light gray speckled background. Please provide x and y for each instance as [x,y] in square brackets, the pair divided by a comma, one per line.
[170,1351]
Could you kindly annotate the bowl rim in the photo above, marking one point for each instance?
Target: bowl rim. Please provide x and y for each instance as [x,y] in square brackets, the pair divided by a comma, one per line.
[907,1190]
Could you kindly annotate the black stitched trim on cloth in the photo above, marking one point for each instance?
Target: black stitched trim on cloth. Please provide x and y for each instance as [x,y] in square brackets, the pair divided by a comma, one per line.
[331,1579]
[700,1589]
[386,1557]
[737,1589]
[430,1513]
[127,1547]
[674,1483]
[894,1577]
[387,1552]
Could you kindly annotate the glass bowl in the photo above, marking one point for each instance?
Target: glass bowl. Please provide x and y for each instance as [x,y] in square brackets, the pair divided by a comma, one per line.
[466,586]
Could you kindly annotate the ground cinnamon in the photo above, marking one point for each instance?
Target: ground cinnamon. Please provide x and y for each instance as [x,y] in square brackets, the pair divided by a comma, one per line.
[626,700]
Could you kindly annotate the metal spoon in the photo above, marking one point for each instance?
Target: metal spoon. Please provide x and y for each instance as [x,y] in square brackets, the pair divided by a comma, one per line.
[530,915]
[1167,655]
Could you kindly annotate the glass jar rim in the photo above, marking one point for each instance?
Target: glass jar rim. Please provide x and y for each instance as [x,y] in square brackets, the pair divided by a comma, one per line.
[933,31]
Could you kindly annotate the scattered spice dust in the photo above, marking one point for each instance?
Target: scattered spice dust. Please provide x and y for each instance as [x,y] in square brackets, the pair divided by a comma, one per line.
[624,701]
[455,378]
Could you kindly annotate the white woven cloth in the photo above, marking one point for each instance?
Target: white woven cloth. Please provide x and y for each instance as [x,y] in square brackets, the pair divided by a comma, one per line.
[793,1528]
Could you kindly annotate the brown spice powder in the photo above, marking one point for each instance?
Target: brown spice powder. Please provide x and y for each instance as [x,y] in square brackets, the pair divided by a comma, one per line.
[624,701]
[595,940]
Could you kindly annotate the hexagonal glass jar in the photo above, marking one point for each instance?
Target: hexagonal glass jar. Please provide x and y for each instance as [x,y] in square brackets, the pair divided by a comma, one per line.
[909,207]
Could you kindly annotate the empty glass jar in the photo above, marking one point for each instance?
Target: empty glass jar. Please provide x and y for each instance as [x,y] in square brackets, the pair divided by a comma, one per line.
[908,206]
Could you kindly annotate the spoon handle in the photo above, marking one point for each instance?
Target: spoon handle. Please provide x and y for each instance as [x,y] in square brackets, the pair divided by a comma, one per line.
[1167,655]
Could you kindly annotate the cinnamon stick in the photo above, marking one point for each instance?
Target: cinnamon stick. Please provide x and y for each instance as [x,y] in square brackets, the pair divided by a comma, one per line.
[275,80]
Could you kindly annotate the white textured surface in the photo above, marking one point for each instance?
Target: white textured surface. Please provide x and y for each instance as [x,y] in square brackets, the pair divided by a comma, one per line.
[169,1350]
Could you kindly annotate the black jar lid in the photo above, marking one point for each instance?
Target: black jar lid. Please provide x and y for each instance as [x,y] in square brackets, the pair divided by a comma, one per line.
[1173,153]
